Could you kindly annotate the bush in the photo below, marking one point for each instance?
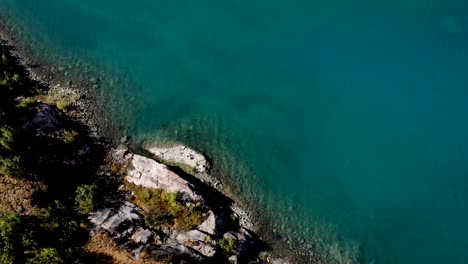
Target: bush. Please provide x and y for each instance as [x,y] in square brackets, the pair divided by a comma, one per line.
[6,258]
[69,136]
[15,78]
[11,166]
[6,137]
[85,198]
[9,81]
[62,105]
[4,58]
[8,228]
[166,208]
[46,256]
[26,102]
[14,239]
[226,244]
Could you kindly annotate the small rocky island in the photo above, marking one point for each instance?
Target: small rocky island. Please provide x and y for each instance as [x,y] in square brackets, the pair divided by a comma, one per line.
[68,195]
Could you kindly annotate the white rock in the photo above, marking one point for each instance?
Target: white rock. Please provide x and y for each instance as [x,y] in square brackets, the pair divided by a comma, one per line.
[209,225]
[152,174]
[183,155]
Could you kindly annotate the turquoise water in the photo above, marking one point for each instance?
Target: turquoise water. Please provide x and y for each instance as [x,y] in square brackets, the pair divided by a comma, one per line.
[346,122]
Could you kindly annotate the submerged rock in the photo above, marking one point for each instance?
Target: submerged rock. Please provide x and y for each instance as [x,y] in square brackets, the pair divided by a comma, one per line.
[181,155]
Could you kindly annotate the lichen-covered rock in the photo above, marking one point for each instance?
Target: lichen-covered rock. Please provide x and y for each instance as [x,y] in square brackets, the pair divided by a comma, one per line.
[181,155]
[152,174]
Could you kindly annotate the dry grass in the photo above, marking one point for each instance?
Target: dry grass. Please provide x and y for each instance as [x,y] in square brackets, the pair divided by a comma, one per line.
[102,244]
[16,195]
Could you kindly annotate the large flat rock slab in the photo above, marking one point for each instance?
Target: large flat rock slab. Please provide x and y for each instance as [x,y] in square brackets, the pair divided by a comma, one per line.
[152,174]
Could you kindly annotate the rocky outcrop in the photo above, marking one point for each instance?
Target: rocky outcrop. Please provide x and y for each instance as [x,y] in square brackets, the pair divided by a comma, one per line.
[45,121]
[152,174]
[127,226]
[200,244]
[181,155]
[121,222]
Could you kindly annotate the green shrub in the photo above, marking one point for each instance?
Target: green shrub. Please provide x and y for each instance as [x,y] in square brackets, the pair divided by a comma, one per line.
[14,239]
[26,102]
[16,78]
[6,82]
[69,136]
[85,198]
[4,58]
[226,244]
[8,228]
[6,258]
[6,137]
[46,256]
[11,166]
[166,208]
[62,105]
[172,198]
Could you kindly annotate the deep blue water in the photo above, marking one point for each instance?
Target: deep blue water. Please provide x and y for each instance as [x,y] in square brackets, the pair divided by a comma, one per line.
[344,122]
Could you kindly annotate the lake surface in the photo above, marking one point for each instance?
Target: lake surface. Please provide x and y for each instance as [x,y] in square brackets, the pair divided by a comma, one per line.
[344,122]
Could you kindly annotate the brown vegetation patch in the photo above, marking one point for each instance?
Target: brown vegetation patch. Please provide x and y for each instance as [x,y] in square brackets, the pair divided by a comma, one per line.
[101,244]
[16,195]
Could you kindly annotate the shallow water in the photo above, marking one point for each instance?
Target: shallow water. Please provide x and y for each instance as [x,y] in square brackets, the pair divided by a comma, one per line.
[346,123]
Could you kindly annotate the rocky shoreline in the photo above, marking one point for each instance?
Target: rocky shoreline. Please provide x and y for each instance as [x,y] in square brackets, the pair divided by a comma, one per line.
[182,163]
